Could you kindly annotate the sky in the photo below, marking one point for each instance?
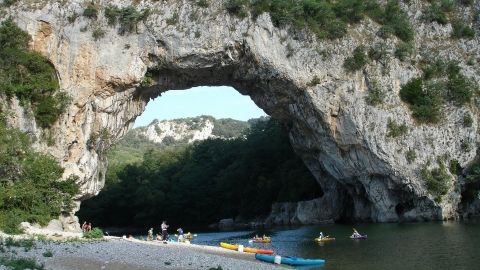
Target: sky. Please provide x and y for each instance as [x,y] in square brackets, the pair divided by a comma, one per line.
[219,102]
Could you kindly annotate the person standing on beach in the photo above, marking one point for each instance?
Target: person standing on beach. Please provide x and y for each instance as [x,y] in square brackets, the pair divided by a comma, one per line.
[164,231]
[180,234]
[150,235]
[84,226]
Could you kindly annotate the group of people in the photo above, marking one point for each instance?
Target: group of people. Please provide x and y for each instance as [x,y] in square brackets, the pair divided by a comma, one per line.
[162,237]
[355,234]
[264,237]
[86,227]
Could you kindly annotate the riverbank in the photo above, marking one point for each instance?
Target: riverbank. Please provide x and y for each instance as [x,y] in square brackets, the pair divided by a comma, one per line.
[122,254]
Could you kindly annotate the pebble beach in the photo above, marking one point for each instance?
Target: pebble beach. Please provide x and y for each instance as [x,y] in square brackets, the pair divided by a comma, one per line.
[121,254]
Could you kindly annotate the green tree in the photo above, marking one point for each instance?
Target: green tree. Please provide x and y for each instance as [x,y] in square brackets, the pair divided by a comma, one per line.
[31,188]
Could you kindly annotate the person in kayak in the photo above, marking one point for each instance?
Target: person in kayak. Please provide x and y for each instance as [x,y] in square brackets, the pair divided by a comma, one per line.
[320,236]
[355,234]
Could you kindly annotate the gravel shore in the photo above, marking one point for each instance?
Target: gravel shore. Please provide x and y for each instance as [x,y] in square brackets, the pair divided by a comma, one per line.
[121,254]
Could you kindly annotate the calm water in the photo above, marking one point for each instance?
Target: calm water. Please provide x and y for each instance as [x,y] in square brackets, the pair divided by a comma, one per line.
[443,245]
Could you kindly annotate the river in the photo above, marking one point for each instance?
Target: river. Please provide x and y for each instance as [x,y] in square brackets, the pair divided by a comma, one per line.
[428,246]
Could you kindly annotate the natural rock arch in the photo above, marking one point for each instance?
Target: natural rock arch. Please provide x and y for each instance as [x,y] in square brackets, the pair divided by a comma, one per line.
[341,139]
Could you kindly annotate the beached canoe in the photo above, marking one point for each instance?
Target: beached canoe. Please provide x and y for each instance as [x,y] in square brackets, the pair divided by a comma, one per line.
[258,250]
[262,240]
[246,249]
[325,239]
[293,261]
[358,237]
[229,246]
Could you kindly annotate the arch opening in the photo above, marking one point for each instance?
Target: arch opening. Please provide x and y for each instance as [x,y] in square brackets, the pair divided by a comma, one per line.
[192,162]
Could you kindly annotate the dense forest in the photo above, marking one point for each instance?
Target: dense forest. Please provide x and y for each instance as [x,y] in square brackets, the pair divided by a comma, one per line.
[200,183]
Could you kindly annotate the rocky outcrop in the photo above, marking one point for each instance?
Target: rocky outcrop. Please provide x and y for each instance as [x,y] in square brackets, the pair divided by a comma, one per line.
[189,130]
[341,138]
[166,130]
[300,213]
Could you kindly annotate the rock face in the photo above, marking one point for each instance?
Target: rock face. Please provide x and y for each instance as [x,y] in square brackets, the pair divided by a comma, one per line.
[343,141]
[301,213]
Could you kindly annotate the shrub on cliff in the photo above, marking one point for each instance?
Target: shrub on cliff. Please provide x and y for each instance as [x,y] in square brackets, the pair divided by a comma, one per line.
[128,17]
[375,95]
[396,130]
[111,13]
[424,104]
[203,3]
[467,120]
[437,181]
[437,12]
[403,51]
[442,83]
[326,19]
[397,20]
[461,30]
[9,2]
[410,156]
[237,7]
[357,61]
[30,189]
[90,12]
[29,76]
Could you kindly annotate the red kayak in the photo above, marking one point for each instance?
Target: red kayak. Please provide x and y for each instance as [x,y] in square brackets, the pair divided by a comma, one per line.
[258,250]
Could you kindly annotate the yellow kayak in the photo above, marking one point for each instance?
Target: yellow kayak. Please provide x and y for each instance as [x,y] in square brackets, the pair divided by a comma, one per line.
[229,246]
[246,249]
[262,240]
[325,239]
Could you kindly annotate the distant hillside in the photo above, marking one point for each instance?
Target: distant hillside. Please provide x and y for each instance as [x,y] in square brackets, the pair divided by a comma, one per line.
[188,130]
[175,133]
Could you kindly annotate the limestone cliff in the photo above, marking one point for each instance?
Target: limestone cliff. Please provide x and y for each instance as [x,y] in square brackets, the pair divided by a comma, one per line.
[343,140]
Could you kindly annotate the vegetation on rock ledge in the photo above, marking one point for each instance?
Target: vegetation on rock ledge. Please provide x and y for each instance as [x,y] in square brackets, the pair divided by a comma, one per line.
[128,17]
[442,82]
[437,180]
[327,19]
[29,76]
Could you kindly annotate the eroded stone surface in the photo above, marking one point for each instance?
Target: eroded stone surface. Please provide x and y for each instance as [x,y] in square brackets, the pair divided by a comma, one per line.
[341,139]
